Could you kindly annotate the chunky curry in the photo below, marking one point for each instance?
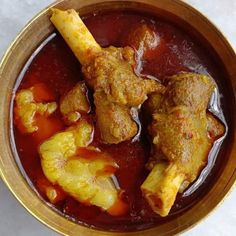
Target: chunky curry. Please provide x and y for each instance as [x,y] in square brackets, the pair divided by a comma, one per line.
[113,142]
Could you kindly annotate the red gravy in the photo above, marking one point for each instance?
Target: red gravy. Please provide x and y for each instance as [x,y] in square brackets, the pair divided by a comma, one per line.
[56,66]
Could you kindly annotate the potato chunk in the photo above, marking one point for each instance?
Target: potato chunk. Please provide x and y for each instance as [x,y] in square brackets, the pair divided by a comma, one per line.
[83,133]
[78,169]
[26,109]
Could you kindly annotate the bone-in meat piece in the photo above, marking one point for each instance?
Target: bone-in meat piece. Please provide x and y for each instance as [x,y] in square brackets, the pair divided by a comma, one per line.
[182,134]
[109,72]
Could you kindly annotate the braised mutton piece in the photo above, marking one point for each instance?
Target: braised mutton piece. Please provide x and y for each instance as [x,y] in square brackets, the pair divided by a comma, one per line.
[74,103]
[110,73]
[181,138]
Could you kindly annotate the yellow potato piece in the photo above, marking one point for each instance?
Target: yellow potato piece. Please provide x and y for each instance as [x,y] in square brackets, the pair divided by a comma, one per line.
[26,109]
[82,133]
[77,175]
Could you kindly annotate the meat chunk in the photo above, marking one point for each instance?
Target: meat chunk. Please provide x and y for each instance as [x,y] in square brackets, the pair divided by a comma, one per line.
[181,142]
[74,103]
[189,90]
[117,89]
[214,127]
[112,72]
[113,121]
[108,71]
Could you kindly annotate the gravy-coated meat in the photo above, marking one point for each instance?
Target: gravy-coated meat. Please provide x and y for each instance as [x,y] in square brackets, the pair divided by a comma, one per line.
[114,121]
[75,102]
[110,72]
[181,140]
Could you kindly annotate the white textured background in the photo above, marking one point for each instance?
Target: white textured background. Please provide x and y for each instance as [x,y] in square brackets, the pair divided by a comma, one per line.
[14,220]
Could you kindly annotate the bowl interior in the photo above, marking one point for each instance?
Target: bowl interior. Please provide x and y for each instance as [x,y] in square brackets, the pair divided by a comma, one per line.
[176,12]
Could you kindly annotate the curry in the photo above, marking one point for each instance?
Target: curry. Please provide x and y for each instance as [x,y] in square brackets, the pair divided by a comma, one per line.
[114,135]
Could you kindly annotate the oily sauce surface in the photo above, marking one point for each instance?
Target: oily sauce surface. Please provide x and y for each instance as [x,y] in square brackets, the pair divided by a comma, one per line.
[56,66]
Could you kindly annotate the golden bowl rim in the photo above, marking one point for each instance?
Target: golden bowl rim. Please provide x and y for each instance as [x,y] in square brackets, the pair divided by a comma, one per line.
[47,222]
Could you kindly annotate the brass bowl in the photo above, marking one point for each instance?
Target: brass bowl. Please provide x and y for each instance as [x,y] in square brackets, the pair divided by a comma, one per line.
[25,44]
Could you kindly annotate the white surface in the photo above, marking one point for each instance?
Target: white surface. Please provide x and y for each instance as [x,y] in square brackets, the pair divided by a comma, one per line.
[14,220]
